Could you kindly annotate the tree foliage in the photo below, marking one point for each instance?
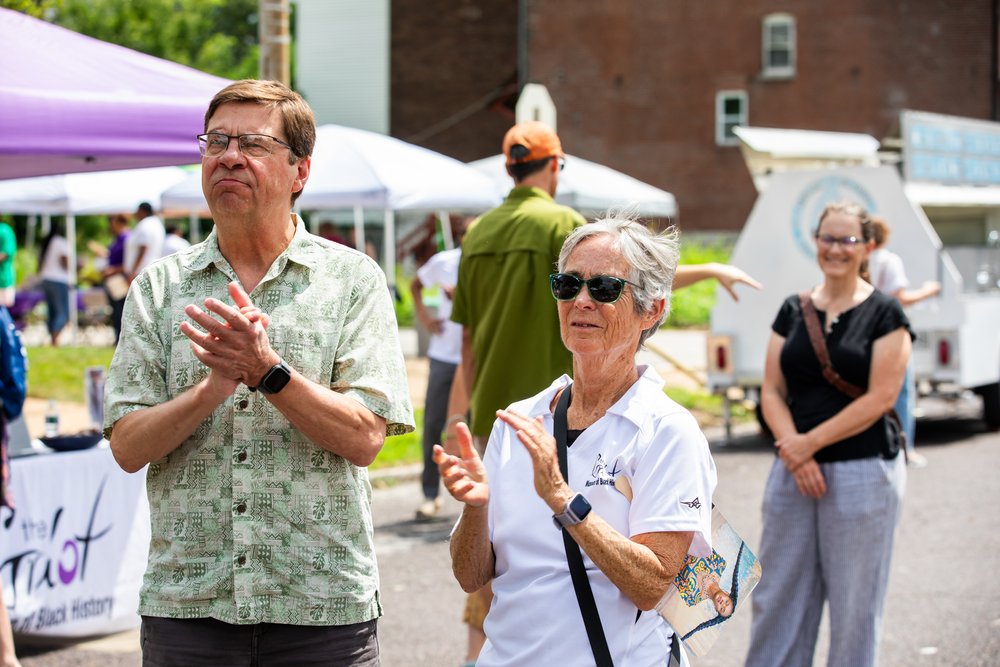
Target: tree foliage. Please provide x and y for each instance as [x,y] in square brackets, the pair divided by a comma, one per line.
[214,36]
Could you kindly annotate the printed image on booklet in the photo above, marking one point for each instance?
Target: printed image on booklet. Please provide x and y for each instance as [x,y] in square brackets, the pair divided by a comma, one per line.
[708,591]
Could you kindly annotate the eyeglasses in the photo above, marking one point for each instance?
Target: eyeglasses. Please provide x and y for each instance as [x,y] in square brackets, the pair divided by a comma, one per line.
[845,242]
[215,144]
[603,289]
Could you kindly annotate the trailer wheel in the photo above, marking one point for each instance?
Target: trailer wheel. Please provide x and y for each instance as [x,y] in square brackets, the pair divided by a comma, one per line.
[991,405]
[765,430]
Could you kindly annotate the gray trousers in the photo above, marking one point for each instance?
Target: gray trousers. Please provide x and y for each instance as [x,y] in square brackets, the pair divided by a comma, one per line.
[442,374]
[835,549]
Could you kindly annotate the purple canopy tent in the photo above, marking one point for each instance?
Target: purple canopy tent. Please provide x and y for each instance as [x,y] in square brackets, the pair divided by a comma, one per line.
[71,103]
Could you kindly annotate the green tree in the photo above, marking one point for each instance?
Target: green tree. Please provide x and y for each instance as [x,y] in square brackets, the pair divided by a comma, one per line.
[214,36]
[36,8]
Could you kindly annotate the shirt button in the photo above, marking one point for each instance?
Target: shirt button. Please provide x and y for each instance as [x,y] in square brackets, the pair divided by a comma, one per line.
[243,404]
[241,560]
[241,457]
[241,508]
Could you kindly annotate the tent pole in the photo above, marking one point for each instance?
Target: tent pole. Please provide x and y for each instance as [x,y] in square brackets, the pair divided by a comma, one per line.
[389,241]
[359,228]
[46,224]
[29,240]
[71,242]
[194,227]
[445,219]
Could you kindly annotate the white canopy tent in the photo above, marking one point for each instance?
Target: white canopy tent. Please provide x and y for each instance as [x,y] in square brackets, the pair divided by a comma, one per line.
[356,169]
[590,188]
[84,194]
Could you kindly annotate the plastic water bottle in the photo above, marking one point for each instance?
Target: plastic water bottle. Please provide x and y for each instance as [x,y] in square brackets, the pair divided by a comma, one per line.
[52,419]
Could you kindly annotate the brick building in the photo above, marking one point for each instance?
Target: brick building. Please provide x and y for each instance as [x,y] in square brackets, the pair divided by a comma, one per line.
[653,88]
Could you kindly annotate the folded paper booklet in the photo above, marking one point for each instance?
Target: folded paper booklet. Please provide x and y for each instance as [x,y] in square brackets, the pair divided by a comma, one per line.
[708,591]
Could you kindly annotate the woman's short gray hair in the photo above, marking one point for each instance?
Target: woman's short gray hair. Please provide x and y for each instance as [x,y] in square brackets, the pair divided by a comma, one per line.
[652,258]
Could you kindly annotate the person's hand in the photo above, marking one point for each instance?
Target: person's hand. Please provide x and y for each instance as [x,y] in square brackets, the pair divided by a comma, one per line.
[541,446]
[795,450]
[932,287]
[434,326]
[729,275]
[809,479]
[236,347]
[464,475]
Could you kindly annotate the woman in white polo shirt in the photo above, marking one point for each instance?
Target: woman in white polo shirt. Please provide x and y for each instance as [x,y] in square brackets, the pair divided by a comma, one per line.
[613,290]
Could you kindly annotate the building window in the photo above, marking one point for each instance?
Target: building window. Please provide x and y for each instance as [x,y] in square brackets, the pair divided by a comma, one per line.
[730,111]
[778,46]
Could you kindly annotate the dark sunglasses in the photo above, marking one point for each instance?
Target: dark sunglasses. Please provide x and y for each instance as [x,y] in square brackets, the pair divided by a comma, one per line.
[604,289]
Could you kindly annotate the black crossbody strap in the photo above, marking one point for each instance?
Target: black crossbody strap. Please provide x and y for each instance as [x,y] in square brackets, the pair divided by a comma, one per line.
[584,594]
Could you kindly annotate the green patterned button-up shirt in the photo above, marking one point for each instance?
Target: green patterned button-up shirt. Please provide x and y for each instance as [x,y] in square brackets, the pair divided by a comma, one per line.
[252,522]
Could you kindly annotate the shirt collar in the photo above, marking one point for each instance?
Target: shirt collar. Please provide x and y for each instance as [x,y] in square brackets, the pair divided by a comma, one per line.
[521,192]
[303,250]
[631,406]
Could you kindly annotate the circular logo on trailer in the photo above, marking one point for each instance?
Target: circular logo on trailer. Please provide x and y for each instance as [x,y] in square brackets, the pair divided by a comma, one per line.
[812,201]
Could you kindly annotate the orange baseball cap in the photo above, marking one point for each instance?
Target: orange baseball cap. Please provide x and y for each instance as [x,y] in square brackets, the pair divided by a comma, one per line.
[531,140]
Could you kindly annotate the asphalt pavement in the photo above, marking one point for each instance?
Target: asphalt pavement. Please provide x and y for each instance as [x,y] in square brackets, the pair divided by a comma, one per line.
[941,609]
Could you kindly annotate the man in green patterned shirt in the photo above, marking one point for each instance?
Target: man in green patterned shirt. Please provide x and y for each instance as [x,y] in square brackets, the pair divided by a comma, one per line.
[258,374]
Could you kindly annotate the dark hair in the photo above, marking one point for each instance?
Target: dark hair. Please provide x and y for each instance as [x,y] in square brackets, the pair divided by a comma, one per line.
[145,207]
[853,210]
[880,230]
[521,170]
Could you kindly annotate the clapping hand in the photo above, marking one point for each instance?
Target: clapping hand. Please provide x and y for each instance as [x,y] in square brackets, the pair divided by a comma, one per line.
[464,475]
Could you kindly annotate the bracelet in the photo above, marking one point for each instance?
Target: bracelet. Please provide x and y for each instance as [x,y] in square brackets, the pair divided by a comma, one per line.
[454,419]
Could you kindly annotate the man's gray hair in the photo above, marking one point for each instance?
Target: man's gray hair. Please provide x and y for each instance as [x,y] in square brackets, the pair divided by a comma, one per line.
[652,258]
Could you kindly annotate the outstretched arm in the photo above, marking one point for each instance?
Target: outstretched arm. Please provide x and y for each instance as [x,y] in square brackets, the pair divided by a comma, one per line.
[727,275]
[907,297]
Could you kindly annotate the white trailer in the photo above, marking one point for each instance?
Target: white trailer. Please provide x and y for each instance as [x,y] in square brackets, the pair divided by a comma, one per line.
[958,332]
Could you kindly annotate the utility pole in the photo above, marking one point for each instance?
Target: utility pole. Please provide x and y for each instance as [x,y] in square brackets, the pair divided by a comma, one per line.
[274,40]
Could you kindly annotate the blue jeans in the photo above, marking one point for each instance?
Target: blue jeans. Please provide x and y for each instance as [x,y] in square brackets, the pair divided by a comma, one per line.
[906,404]
[57,305]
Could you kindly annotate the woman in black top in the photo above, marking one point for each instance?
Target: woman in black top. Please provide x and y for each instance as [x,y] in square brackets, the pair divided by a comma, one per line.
[834,493]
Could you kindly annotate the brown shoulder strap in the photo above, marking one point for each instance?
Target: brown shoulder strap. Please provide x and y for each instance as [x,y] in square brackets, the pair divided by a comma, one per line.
[818,340]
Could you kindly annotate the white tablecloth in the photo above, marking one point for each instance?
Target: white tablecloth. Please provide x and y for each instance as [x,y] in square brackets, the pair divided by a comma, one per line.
[73,550]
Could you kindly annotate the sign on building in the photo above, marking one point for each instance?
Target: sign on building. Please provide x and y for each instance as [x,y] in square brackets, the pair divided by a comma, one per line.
[949,149]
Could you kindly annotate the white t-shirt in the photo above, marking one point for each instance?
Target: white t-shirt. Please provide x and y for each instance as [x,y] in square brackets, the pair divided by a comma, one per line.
[52,268]
[148,233]
[173,243]
[887,272]
[442,270]
[659,447]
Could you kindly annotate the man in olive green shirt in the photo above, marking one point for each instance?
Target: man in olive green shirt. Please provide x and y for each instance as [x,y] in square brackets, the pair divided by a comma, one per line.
[257,375]
[512,347]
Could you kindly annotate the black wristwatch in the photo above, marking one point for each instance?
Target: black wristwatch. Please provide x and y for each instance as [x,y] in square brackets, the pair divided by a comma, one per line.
[275,379]
[576,511]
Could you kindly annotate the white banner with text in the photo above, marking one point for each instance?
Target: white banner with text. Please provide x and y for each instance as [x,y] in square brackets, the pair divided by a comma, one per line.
[74,549]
